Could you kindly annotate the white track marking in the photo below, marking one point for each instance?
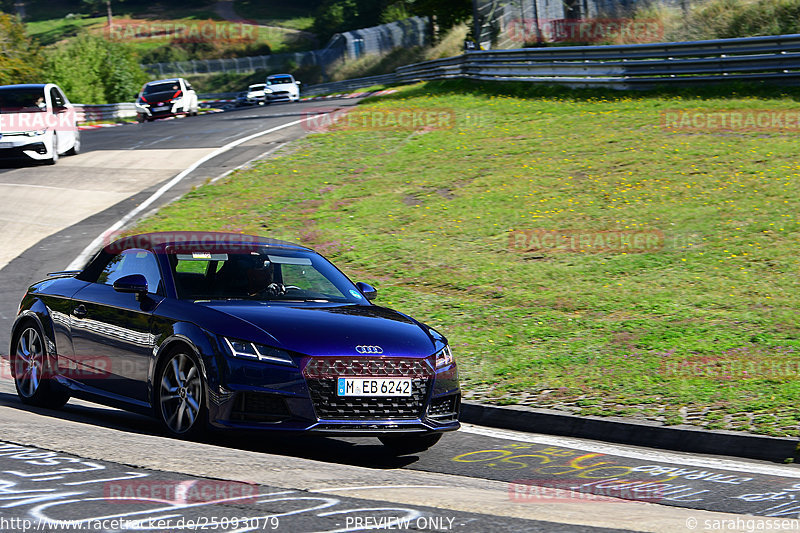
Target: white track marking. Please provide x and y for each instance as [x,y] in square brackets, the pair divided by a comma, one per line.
[372,487]
[83,257]
[639,453]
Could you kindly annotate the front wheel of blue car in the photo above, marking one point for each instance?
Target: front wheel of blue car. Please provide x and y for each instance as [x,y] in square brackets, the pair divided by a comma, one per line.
[408,444]
[179,400]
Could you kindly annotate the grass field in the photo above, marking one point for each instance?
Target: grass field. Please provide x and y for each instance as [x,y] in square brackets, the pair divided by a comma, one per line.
[141,34]
[298,15]
[700,329]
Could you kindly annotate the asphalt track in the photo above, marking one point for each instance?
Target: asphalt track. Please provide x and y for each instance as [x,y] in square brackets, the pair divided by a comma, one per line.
[474,480]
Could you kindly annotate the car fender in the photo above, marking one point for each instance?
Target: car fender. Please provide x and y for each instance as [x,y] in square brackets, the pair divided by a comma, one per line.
[198,340]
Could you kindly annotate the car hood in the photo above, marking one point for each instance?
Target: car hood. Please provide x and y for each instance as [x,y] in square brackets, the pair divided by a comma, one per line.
[327,330]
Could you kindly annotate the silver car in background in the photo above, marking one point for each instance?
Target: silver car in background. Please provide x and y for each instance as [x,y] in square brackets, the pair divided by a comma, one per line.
[282,88]
[257,94]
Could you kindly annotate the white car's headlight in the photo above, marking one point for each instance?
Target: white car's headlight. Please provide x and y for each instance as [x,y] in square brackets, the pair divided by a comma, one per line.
[258,352]
[35,133]
[444,357]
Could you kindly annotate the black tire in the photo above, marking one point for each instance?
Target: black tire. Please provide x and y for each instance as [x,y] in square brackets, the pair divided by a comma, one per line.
[31,370]
[54,158]
[76,149]
[179,398]
[408,444]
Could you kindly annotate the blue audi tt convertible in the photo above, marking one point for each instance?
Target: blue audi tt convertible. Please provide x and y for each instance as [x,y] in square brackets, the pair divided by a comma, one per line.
[233,331]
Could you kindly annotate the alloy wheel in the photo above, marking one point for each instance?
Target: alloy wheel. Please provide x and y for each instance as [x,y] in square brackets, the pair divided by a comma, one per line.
[29,362]
[181,394]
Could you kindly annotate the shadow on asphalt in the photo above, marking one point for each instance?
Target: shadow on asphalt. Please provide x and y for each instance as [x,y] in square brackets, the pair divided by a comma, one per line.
[19,163]
[366,452]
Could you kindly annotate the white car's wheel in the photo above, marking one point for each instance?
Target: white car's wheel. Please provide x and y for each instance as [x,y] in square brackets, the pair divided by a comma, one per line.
[53,159]
[76,148]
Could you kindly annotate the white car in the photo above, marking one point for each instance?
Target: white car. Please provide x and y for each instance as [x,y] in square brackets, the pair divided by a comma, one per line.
[282,88]
[256,94]
[37,122]
[166,98]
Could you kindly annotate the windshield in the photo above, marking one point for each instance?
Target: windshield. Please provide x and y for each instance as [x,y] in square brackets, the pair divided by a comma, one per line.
[22,101]
[264,275]
[258,87]
[161,87]
[280,80]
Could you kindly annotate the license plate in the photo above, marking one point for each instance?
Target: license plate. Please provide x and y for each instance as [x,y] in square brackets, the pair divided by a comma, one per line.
[374,387]
[162,108]
[6,145]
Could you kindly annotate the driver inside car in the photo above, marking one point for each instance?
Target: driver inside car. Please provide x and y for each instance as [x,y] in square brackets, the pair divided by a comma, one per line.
[260,280]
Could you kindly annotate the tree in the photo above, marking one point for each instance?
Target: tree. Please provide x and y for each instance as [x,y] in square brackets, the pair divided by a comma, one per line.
[98,5]
[93,70]
[20,61]
[448,13]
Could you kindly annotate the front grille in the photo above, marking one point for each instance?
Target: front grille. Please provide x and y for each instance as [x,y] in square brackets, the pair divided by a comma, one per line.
[321,375]
[445,408]
[394,367]
[259,407]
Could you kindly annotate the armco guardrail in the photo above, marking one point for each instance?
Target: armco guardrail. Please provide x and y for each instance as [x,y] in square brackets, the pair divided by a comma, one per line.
[348,85]
[87,113]
[772,58]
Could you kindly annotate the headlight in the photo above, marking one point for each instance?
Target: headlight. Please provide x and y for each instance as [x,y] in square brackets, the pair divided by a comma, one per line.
[444,357]
[35,133]
[257,352]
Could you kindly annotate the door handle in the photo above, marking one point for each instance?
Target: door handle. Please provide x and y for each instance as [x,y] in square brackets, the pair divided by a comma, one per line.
[80,311]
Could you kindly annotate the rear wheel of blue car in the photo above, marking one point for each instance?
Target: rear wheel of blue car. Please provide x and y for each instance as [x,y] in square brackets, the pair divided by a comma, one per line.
[407,444]
[179,400]
[32,376]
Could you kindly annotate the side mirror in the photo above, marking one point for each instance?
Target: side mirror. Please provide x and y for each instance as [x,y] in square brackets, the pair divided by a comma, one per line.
[298,83]
[135,283]
[369,292]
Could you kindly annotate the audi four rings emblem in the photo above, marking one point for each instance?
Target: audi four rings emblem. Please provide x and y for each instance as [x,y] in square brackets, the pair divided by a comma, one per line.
[369,349]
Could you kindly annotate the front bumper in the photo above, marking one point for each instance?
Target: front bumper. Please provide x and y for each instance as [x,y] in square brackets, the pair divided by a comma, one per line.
[168,109]
[24,147]
[302,400]
[283,96]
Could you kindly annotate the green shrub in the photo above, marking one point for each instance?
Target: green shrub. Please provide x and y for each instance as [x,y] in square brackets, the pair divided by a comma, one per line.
[20,61]
[93,70]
